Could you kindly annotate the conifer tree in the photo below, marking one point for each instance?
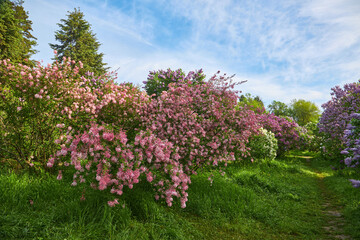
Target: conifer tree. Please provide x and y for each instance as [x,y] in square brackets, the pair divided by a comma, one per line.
[79,43]
[16,40]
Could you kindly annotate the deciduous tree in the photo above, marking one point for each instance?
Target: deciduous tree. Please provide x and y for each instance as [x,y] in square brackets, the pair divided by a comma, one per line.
[304,111]
[279,109]
[253,103]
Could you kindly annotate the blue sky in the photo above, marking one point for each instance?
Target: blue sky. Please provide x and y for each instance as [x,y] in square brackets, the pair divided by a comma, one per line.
[285,49]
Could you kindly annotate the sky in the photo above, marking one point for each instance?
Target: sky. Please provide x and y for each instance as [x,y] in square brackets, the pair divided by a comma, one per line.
[285,49]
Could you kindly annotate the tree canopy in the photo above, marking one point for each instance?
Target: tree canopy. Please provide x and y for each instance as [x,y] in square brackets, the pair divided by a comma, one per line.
[78,42]
[304,111]
[16,40]
[252,102]
[279,109]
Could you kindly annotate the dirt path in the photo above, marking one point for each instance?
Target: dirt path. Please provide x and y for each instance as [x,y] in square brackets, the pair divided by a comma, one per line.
[334,221]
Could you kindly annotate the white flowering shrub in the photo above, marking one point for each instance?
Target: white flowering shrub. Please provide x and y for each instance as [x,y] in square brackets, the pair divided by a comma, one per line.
[263,146]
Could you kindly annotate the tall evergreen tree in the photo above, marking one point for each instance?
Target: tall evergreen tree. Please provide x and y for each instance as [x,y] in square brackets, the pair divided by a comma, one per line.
[79,43]
[16,40]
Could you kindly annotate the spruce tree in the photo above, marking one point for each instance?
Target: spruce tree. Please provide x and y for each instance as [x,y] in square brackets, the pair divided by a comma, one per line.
[16,40]
[79,43]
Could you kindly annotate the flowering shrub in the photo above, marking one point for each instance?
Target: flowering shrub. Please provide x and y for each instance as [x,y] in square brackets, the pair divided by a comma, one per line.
[38,103]
[309,138]
[352,136]
[186,128]
[202,122]
[336,116]
[114,135]
[31,100]
[158,81]
[285,130]
[263,146]
[118,105]
[105,159]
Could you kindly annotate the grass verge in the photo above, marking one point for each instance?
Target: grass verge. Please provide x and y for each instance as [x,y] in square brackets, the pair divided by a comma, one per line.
[276,199]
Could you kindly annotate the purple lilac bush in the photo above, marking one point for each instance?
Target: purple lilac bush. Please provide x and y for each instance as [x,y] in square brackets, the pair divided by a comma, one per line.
[352,142]
[336,117]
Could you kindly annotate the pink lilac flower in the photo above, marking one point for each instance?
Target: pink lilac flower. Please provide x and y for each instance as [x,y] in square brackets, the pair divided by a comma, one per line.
[113,203]
[59,176]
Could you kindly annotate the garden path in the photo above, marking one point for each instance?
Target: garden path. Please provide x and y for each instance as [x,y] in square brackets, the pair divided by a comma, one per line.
[334,221]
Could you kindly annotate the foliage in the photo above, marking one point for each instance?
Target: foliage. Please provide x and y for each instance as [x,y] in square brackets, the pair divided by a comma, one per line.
[310,139]
[79,43]
[158,81]
[253,103]
[336,116]
[304,112]
[16,40]
[279,109]
[263,146]
[301,111]
[285,130]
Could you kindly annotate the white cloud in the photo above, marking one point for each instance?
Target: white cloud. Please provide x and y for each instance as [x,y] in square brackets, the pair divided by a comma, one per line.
[286,49]
[268,90]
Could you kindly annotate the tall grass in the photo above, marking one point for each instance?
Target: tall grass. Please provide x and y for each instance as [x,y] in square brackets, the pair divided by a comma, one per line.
[276,199]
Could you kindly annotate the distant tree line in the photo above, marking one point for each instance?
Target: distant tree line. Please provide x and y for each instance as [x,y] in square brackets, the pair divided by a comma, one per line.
[302,111]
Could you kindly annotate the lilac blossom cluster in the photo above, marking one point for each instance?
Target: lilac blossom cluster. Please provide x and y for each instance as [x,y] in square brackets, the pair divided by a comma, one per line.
[355,183]
[352,142]
[337,115]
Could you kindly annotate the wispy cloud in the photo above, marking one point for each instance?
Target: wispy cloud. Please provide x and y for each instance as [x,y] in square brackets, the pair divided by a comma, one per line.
[285,49]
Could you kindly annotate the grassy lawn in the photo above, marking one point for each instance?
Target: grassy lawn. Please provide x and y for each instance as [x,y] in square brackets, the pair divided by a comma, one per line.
[278,199]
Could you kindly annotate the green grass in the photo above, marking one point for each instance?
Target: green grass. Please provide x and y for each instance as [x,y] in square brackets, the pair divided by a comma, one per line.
[277,199]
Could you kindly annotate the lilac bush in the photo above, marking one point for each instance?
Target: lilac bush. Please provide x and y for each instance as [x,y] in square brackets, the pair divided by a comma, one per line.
[263,145]
[202,122]
[285,130]
[336,117]
[32,102]
[125,136]
[352,143]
